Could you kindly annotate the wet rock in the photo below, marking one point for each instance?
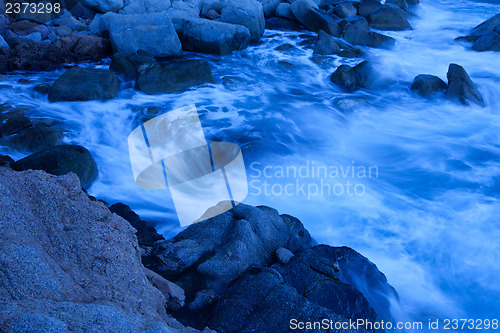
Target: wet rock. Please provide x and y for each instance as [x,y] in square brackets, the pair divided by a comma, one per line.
[35,138]
[14,124]
[488,42]
[486,27]
[345,9]
[146,233]
[84,84]
[3,43]
[461,87]
[326,44]
[400,3]
[121,65]
[353,78]
[357,31]
[277,23]
[366,7]
[389,17]
[104,6]
[308,13]
[270,7]
[485,36]
[6,161]
[42,88]
[79,47]
[61,160]
[176,77]
[248,13]
[153,33]
[284,10]
[425,84]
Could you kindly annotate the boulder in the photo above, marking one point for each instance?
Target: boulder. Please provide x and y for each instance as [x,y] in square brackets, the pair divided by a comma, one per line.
[14,124]
[104,6]
[6,161]
[71,23]
[152,32]
[42,88]
[121,65]
[212,14]
[353,78]
[282,24]
[389,17]
[284,10]
[270,7]
[37,137]
[399,3]
[84,84]
[413,2]
[345,9]
[326,44]
[60,160]
[357,31]
[486,27]
[206,36]
[425,84]
[461,87]
[25,27]
[488,42]
[34,37]
[248,13]
[176,77]
[308,13]
[145,6]
[63,31]
[78,47]
[283,255]
[366,7]
[3,43]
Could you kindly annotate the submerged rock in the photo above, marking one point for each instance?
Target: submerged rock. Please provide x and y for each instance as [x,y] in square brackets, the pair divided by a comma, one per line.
[425,84]
[353,78]
[461,87]
[326,44]
[84,84]
[61,160]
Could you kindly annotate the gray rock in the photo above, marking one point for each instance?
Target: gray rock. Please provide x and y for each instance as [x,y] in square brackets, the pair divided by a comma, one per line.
[461,87]
[24,28]
[425,84]
[35,322]
[283,255]
[353,78]
[62,31]
[84,84]
[345,9]
[60,160]
[52,37]
[366,7]
[206,36]
[145,6]
[488,42]
[209,5]
[248,13]
[152,32]
[71,23]
[326,44]
[3,43]
[357,31]
[104,6]
[35,37]
[269,7]
[308,13]
[284,10]
[389,17]
[487,26]
[175,77]
[212,14]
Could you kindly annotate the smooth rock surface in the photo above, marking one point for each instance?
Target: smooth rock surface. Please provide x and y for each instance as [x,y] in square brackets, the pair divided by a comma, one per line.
[461,87]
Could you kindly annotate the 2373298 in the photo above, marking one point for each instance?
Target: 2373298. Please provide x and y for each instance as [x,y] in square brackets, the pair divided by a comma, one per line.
[32,8]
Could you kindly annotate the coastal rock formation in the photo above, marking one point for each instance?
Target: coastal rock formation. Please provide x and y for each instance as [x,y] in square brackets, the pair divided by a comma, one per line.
[248,13]
[425,84]
[461,87]
[326,44]
[389,17]
[352,78]
[308,13]
[485,36]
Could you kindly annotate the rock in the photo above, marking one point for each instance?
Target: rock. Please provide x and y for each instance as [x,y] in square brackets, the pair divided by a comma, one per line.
[353,78]
[3,43]
[79,47]
[70,265]
[202,35]
[488,42]
[389,17]
[486,27]
[6,161]
[366,7]
[145,6]
[277,23]
[84,84]
[283,255]
[326,44]
[60,160]
[153,33]
[41,17]
[248,13]
[79,10]
[42,88]
[357,31]
[175,77]
[284,10]
[426,84]
[104,6]
[211,5]
[14,124]
[269,7]
[63,31]
[400,3]
[212,15]
[121,65]
[345,9]
[35,37]
[71,23]
[174,294]
[413,2]
[146,233]
[35,138]
[308,13]
[461,87]
[25,27]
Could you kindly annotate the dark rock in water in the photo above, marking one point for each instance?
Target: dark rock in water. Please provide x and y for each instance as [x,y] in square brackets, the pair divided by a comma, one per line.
[84,84]
[346,8]
[260,301]
[79,47]
[42,88]
[14,124]
[353,78]
[176,77]
[121,65]
[270,7]
[313,18]
[461,87]
[366,7]
[400,3]
[413,2]
[32,139]
[389,17]
[6,161]
[426,84]
[284,11]
[61,160]
[357,31]
[248,13]
[326,44]
[487,26]
[146,233]
[488,42]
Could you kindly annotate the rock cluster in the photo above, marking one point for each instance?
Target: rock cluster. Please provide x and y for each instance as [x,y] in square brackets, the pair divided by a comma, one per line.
[486,36]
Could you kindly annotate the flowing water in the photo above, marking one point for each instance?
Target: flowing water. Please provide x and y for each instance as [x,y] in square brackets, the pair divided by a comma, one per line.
[423,203]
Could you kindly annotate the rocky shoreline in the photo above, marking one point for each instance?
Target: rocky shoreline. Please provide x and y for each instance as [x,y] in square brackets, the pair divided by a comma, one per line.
[70,264]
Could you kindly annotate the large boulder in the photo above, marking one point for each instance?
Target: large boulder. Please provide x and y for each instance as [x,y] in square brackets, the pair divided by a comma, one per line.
[346,8]
[389,17]
[104,6]
[61,160]
[425,84]
[248,13]
[145,6]
[84,84]
[326,44]
[352,78]
[488,42]
[366,7]
[308,13]
[176,77]
[269,7]
[36,137]
[206,36]
[151,32]
[486,27]
[357,31]
[284,10]
[461,87]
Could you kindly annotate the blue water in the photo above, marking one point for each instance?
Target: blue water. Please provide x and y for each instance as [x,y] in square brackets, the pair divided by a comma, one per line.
[429,212]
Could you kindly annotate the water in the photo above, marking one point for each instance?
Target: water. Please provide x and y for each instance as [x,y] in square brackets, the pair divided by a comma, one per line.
[428,212]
